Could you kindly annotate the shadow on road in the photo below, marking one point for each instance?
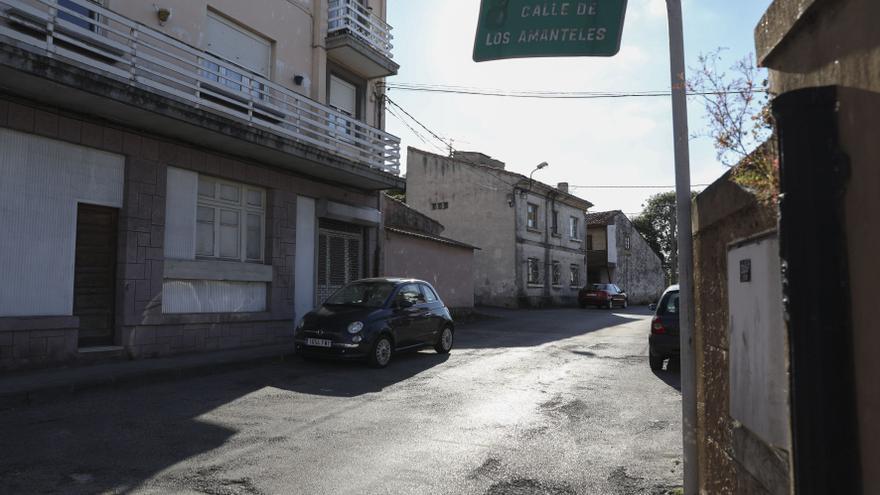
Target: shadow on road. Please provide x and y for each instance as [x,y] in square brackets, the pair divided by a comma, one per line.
[671,375]
[529,328]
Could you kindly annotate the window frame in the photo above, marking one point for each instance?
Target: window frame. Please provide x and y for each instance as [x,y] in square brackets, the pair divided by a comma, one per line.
[556,274]
[573,229]
[574,275]
[589,242]
[530,262]
[554,227]
[242,208]
[532,220]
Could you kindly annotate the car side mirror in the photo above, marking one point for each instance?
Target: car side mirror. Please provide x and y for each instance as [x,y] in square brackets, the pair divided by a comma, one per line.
[405,303]
[652,306]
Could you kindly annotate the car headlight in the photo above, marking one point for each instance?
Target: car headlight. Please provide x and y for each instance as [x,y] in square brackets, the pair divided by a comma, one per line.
[301,324]
[355,327]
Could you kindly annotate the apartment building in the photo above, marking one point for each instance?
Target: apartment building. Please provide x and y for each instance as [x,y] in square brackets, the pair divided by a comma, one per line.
[530,234]
[184,176]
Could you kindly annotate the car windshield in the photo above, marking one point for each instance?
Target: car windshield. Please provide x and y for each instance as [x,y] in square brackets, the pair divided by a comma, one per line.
[364,294]
[597,287]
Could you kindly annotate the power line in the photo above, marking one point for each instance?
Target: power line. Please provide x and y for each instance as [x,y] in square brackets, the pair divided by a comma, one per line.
[633,186]
[565,95]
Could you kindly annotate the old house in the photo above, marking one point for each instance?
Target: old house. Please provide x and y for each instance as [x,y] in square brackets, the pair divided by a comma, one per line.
[618,254]
[531,234]
[413,247]
[187,176]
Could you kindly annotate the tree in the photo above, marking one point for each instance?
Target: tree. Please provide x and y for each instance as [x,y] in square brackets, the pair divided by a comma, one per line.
[739,121]
[657,224]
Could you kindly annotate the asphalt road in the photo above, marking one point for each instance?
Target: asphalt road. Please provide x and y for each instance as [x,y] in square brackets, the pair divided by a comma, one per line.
[535,402]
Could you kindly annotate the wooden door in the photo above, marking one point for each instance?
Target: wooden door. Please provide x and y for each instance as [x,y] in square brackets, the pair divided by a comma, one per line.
[94,282]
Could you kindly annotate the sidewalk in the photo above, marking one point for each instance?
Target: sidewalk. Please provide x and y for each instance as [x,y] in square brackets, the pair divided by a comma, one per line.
[27,387]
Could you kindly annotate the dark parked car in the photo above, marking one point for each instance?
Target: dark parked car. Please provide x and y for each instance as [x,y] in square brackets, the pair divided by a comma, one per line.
[374,318]
[602,296]
[664,340]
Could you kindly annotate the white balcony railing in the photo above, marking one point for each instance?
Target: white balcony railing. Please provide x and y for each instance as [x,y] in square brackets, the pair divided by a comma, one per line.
[350,16]
[105,42]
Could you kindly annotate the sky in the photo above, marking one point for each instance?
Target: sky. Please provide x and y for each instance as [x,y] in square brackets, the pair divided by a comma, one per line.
[586,142]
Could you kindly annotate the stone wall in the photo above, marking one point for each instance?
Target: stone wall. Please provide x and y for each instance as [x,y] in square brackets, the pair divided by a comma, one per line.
[639,271]
[724,213]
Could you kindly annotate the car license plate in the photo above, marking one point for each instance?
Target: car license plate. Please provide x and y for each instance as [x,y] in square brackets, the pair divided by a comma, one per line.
[591,294]
[319,342]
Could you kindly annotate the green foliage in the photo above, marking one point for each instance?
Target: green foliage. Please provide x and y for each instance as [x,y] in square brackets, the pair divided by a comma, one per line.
[658,226]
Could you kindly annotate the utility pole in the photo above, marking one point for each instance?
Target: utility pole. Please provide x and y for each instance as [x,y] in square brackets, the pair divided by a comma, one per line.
[685,247]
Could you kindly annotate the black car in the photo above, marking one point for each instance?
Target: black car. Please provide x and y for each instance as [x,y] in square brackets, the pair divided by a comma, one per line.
[664,340]
[374,318]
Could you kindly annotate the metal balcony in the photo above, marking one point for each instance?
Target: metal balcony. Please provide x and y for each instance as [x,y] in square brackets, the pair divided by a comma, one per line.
[359,39]
[106,44]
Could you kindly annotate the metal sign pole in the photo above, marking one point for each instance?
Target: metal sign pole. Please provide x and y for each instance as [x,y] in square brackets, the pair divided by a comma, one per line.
[685,247]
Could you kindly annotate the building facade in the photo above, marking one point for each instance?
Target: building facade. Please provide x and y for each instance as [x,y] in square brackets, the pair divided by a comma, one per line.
[618,254]
[413,247]
[530,234]
[184,177]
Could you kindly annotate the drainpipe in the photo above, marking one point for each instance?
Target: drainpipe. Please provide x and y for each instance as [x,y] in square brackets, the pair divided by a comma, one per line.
[548,264]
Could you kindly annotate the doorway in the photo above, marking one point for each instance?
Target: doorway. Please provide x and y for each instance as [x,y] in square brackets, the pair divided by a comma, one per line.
[94,281]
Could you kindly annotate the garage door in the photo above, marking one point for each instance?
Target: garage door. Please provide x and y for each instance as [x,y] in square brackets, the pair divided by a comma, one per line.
[340,256]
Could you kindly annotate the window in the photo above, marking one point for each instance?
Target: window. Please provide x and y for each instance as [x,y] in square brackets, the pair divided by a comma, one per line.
[230,220]
[589,243]
[534,272]
[573,228]
[574,276]
[554,226]
[245,50]
[430,295]
[87,19]
[410,293]
[532,220]
[557,273]
[627,242]
[669,305]
[440,206]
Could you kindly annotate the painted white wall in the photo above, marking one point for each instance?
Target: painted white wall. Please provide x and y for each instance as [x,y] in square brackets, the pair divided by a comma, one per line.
[304,266]
[41,182]
[758,378]
[180,217]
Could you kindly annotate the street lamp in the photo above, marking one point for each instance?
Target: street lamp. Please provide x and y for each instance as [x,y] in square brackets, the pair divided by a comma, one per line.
[539,167]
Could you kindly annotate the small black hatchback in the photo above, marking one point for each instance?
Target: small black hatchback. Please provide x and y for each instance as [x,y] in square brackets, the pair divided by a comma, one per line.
[374,318]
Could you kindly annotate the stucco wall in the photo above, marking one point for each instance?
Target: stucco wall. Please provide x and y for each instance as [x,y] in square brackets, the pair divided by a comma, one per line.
[296,28]
[478,214]
[838,43]
[724,213]
[448,268]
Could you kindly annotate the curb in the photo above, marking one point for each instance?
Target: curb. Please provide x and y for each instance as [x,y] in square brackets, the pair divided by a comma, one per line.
[46,386]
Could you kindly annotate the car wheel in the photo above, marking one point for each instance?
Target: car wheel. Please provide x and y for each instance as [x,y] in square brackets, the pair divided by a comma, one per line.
[444,343]
[656,362]
[382,352]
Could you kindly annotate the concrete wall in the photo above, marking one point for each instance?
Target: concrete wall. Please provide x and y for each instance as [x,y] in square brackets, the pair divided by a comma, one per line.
[478,214]
[731,458]
[837,43]
[296,28]
[448,268]
[639,271]
[547,247]
[141,326]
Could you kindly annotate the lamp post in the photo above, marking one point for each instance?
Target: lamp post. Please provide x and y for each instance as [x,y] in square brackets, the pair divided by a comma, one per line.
[539,167]
[685,247]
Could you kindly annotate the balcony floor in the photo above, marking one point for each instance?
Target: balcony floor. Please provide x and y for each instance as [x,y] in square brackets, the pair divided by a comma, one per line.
[26,74]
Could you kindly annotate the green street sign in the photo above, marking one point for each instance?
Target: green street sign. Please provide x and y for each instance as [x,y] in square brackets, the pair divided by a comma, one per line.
[543,28]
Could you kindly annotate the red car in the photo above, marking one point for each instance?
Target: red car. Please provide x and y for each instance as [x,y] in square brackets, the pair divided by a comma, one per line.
[602,296]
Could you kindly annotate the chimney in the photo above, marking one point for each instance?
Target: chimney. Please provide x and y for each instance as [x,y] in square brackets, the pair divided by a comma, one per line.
[563,186]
